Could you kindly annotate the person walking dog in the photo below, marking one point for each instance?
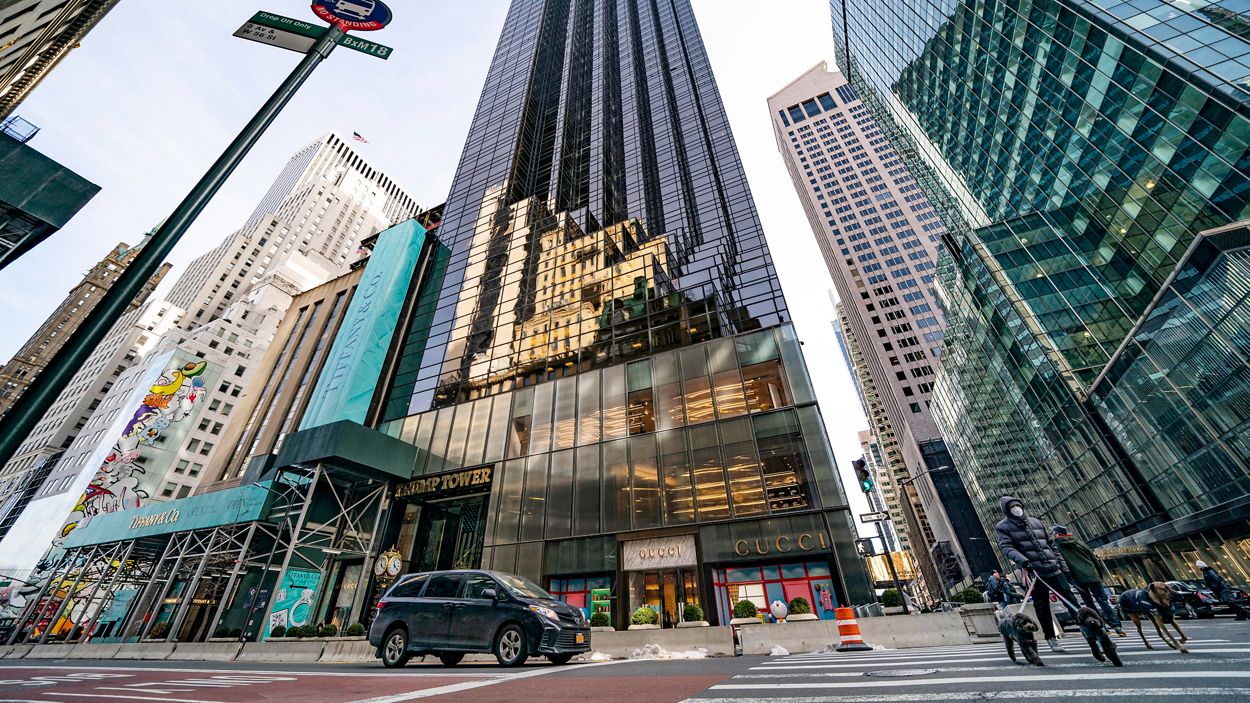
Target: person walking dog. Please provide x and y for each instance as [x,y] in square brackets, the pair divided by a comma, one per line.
[1086,570]
[1026,542]
[998,589]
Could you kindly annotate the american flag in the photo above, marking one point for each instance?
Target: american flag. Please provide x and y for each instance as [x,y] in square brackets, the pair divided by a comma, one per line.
[358,137]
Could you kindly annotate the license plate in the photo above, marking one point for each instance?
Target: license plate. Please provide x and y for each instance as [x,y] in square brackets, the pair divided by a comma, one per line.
[579,638]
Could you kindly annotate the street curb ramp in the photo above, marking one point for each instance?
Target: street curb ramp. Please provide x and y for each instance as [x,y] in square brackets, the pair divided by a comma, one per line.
[289,652]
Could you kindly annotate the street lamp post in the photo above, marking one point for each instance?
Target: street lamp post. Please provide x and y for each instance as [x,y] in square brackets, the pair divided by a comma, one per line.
[46,387]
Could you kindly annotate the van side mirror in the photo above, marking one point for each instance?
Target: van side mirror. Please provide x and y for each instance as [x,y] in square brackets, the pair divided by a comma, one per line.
[490,594]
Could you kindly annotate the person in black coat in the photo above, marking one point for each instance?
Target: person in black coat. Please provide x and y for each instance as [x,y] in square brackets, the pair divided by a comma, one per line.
[998,589]
[1219,588]
[1026,542]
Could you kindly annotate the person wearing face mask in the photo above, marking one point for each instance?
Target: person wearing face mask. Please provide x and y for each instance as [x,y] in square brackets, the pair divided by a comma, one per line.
[1026,542]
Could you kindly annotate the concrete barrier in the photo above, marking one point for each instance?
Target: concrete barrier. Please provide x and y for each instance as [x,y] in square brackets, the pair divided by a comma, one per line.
[894,632]
[207,651]
[353,651]
[146,651]
[94,651]
[282,651]
[718,641]
[15,651]
[49,651]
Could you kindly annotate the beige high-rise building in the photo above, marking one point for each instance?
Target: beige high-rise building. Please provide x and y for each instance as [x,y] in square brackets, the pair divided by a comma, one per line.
[879,237]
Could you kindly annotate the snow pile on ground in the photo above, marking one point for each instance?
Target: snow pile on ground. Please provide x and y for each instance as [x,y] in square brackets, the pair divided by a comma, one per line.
[655,651]
[597,657]
[779,651]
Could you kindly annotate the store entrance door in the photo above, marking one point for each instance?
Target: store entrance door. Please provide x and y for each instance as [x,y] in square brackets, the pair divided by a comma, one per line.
[450,534]
[665,591]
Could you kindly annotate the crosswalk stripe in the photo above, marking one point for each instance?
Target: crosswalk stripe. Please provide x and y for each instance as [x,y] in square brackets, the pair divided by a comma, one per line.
[1022,679]
[998,656]
[1089,664]
[928,651]
[1076,694]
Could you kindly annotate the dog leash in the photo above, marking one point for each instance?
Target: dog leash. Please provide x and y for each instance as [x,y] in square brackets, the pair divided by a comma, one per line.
[1027,593]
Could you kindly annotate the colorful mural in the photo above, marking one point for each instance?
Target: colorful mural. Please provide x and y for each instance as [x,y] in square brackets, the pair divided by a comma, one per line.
[116,486]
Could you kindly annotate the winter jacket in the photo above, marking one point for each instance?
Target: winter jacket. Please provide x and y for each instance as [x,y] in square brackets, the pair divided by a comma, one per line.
[1136,601]
[1084,565]
[1025,540]
[1215,583]
[995,588]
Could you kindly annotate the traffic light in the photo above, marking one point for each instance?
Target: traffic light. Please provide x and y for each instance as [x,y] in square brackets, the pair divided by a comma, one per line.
[864,475]
[865,547]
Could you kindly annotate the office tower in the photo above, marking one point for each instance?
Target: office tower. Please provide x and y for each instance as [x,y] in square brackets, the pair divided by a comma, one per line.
[1089,159]
[225,309]
[305,231]
[610,347]
[879,235]
[30,360]
[38,196]
[35,35]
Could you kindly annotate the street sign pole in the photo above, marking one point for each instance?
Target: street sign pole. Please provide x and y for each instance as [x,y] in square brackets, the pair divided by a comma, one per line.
[889,560]
[43,391]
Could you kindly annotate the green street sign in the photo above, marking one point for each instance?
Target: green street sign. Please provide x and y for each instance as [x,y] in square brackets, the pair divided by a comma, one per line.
[314,31]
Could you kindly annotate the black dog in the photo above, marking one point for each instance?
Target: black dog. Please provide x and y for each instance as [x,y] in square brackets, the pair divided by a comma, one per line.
[1020,629]
[1095,633]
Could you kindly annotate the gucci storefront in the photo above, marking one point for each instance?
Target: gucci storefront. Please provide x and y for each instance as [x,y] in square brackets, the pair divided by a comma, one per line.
[712,566]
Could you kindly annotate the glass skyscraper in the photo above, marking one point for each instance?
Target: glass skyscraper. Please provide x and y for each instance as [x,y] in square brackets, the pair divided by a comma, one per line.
[1078,149]
[608,361]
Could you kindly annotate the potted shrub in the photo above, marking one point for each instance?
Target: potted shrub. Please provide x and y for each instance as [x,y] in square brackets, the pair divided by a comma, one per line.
[801,610]
[644,618]
[328,630]
[968,596]
[692,616]
[745,613]
[355,630]
[600,622]
[277,632]
[892,600]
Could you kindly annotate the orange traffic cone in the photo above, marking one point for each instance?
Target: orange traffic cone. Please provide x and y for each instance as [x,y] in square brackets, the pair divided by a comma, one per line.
[848,630]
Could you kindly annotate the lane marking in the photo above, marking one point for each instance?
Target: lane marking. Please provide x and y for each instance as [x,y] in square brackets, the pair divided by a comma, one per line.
[129,698]
[415,672]
[888,683]
[1079,694]
[915,653]
[469,685]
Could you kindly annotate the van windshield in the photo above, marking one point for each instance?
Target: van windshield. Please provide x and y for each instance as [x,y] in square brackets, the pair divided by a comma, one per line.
[523,587]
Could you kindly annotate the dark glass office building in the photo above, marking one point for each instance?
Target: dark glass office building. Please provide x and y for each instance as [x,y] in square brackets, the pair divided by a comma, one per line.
[1091,159]
[609,398]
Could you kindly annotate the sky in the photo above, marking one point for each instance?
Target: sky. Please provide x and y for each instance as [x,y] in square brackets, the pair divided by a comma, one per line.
[159,88]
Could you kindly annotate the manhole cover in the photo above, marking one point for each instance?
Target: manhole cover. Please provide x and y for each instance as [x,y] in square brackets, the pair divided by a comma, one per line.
[901,672]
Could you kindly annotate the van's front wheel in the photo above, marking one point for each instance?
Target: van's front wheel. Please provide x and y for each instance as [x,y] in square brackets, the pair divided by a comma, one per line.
[510,646]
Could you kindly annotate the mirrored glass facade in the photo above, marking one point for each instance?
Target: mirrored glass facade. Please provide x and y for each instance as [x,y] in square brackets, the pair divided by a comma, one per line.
[610,345]
[1076,149]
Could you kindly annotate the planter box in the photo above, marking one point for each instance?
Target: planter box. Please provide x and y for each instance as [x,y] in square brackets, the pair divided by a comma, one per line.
[803,617]
[981,620]
[717,641]
[894,610]
[694,623]
[644,627]
[603,628]
[745,621]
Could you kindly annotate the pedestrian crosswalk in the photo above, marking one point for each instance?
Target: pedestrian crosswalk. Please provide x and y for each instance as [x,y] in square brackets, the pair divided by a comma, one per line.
[1217,668]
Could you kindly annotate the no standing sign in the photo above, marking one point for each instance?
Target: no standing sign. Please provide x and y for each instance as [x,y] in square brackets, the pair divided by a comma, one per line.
[353,15]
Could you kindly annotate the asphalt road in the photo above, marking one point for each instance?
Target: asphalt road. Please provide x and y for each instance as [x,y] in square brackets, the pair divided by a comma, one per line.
[1217,669]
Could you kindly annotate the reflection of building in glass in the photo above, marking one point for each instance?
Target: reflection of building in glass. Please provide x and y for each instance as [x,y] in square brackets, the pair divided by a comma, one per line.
[1076,151]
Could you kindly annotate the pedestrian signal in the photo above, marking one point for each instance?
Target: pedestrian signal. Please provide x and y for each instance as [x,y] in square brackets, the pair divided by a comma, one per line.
[864,475]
